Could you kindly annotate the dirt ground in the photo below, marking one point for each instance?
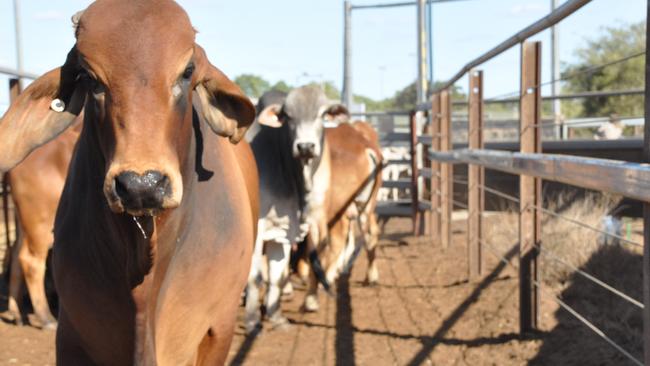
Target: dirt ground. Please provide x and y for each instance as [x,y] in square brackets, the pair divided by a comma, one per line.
[423,311]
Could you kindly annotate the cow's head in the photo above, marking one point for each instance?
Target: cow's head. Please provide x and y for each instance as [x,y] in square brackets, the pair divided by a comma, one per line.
[135,67]
[304,111]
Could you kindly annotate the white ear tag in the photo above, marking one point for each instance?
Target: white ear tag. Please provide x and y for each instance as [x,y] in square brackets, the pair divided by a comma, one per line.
[57,105]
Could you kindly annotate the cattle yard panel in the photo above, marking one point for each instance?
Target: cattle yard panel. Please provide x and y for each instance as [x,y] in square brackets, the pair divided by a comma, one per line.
[531,165]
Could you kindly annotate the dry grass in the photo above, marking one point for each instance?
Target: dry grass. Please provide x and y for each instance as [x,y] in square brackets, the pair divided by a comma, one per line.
[617,264]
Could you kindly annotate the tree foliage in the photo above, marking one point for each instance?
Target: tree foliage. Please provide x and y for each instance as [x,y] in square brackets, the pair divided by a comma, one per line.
[252,85]
[585,75]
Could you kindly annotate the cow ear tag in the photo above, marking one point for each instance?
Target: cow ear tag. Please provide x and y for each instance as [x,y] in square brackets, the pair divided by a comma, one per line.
[57,105]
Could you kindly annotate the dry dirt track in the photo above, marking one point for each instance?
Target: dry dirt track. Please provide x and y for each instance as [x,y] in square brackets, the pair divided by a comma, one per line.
[424,311]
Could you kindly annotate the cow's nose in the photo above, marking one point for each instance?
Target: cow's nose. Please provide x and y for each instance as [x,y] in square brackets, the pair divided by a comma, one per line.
[142,192]
[306,149]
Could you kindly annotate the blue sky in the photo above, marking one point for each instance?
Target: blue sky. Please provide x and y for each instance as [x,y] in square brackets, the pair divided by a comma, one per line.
[285,39]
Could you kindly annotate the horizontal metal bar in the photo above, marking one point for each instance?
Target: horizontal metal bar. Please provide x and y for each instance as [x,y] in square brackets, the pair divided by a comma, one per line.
[425,139]
[402,184]
[546,22]
[387,113]
[627,179]
[395,136]
[396,5]
[398,162]
[590,94]
[16,73]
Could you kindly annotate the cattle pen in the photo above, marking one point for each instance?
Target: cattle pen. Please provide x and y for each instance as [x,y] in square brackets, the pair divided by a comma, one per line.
[530,164]
[455,172]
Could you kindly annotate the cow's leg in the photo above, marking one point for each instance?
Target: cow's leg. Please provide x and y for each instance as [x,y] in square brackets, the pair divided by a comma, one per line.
[32,257]
[278,255]
[15,284]
[371,236]
[214,346]
[287,286]
[68,344]
[318,235]
[252,319]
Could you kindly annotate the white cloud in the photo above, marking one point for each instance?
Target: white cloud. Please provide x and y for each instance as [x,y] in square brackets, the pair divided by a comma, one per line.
[520,9]
[49,15]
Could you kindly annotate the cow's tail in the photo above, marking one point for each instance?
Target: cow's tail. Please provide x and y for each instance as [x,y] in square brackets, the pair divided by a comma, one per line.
[306,251]
[319,272]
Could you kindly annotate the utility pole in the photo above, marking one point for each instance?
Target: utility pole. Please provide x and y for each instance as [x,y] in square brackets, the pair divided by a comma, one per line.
[19,49]
[430,39]
[346,94]
[555,71]
[422,82]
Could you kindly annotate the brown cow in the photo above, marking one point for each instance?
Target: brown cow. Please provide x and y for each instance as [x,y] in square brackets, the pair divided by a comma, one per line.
[36,186]
[155,228]
[355,164]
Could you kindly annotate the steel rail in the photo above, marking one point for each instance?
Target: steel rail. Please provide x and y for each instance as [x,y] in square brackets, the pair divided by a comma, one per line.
[16,73]
[619,177]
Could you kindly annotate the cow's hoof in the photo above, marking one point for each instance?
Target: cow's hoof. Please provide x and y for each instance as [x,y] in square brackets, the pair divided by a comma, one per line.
[50,325]
[278,322]
[287,292]
[311,304]
[253,327]
[11,317]
[372,278]
[41,323]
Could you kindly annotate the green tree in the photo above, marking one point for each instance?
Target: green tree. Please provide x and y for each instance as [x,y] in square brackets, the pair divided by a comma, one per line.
[252,85]
[282,86]
[614,44]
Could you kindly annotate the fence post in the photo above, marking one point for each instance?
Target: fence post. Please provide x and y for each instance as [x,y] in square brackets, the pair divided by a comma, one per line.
[646,212]
[414,173]
[529,187]
[435,169]
[475,175]
[447,172]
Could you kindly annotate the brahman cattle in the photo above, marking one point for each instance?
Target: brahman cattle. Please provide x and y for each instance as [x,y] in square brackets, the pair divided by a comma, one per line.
[36,185]
[294,170]
[356,163]
[155,228]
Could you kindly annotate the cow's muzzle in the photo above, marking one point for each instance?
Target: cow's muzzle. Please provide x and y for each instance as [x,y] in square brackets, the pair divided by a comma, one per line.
[142,194]
[306,150]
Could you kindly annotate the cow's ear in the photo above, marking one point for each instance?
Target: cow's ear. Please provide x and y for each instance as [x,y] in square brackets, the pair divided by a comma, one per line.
[225,108]
[39,114]
[336,112]
[270,116]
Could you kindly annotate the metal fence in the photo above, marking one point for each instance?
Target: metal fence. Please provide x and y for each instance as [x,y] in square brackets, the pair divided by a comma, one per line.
[531,165]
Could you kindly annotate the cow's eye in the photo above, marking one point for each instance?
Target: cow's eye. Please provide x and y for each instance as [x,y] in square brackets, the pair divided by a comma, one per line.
[189,71]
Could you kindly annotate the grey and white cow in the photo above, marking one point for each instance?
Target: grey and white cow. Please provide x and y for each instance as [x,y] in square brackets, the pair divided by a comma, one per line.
[294,170]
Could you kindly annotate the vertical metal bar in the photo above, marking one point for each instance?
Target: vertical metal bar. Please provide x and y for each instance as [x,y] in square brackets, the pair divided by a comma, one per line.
[430,40]
[18,39]
[414,174]
[422,53]
[555,72]
[475,175]
[646,210]
[347,55]
[447,173]
[529,187]
[435,170]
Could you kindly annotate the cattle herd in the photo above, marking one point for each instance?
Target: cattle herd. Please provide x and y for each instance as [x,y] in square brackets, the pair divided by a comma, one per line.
[165,194]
